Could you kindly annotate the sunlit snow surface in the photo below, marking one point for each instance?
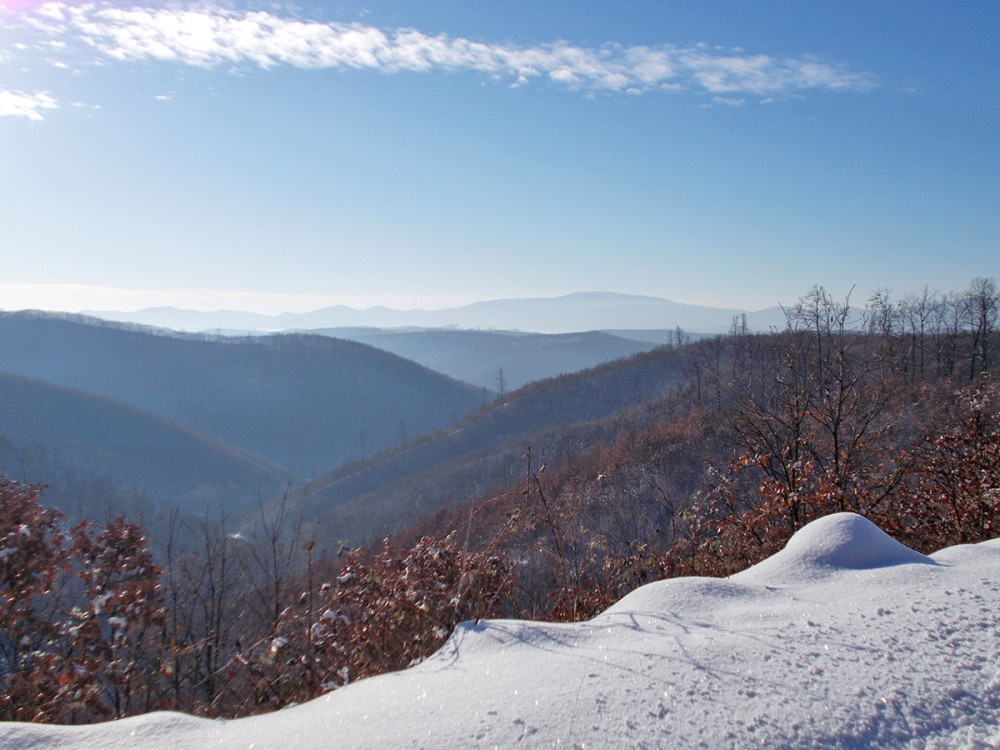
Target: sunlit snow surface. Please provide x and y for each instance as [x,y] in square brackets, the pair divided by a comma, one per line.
[844,639]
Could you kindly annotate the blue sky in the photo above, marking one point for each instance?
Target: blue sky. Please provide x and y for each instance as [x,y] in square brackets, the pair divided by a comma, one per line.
[288,156]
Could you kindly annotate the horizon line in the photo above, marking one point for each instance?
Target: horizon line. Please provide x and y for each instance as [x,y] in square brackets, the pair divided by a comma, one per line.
[91,299]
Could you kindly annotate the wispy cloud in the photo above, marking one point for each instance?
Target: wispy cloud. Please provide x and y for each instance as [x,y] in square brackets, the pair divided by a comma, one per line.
[208,37]
[20,104]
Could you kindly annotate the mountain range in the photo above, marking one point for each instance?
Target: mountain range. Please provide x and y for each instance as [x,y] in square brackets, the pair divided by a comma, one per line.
[378,440]
[303,403]
[583,311]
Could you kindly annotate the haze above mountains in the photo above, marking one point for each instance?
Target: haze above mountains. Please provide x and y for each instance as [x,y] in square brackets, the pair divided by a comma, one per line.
[584,311]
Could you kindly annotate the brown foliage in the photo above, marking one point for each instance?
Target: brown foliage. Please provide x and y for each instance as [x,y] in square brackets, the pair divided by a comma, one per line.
[956,499]
[63,662]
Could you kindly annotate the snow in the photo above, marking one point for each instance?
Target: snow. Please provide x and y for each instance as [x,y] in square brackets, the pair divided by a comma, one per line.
[844,639]
[842,541]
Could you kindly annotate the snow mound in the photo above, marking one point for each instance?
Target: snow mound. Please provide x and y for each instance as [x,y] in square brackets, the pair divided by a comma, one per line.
[841,541]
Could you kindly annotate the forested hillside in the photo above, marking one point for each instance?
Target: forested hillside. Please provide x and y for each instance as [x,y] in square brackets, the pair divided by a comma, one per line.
[364,500]
[890,410]
[127,450]
[305,403]
[497,360]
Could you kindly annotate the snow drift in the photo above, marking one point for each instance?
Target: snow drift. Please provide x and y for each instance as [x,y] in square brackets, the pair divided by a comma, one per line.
[846,638]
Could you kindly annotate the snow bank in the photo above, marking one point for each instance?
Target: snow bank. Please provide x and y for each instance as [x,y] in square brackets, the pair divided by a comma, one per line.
[844,639]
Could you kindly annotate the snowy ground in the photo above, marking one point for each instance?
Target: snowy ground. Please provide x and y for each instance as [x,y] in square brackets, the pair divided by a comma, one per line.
[844,639]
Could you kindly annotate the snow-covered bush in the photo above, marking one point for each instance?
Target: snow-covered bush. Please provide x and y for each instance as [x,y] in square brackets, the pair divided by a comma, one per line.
[69,655]
[120,628]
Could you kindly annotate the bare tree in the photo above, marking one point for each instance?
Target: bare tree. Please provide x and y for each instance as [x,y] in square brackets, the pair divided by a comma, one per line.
[917,313]
[983,302]
[814,415]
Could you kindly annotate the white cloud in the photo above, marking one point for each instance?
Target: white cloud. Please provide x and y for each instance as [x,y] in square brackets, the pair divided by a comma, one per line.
[207,37]
[20,104]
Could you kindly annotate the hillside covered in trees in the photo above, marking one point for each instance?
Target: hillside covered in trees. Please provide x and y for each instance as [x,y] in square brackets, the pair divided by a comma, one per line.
[57,428]
[500,361]
[298,405]
[703,459]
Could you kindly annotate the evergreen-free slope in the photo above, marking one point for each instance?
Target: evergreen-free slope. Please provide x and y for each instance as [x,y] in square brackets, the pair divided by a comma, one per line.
[167,461]
[366,500]
[306,403]
[482,357]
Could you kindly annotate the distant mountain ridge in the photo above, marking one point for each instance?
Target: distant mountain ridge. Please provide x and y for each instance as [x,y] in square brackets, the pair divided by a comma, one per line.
[572,313]
[306,403]
[479,357]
